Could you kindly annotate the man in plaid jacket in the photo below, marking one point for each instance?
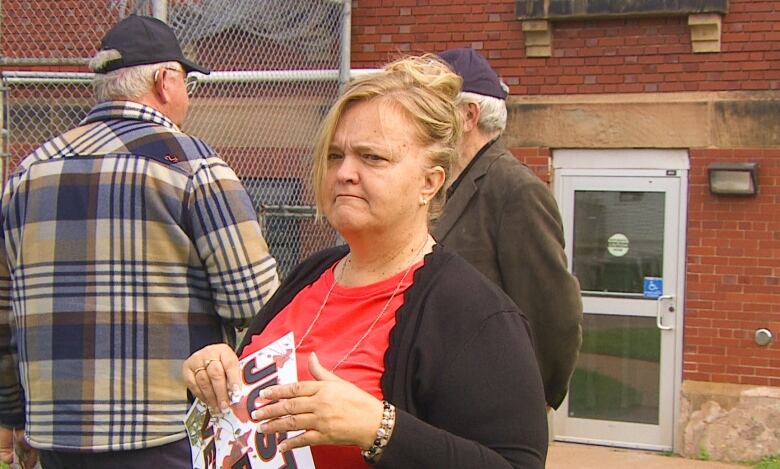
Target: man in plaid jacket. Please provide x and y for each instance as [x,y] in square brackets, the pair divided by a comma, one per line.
[126,246]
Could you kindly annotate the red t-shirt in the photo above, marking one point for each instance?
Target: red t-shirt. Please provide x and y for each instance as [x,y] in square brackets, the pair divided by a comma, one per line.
[347,315]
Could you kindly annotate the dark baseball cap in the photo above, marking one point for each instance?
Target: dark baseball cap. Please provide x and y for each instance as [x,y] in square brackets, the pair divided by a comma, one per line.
[478,77]
[143,40]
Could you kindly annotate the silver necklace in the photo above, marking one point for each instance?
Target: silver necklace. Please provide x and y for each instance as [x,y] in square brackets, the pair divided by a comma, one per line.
[376,320]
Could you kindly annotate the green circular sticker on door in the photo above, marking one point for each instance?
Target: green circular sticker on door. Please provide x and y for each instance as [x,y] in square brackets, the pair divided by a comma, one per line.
[617,244]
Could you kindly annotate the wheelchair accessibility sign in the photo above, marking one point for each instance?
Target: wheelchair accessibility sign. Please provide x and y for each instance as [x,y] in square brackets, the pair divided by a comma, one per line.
[654,287]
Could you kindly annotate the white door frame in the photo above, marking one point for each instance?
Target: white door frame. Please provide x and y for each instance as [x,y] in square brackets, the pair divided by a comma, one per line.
[621,163]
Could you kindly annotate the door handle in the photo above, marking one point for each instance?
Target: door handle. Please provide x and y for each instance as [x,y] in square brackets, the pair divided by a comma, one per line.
[659,303]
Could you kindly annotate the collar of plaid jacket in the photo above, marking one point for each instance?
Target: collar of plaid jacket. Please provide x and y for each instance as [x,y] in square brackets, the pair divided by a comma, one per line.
[127,110]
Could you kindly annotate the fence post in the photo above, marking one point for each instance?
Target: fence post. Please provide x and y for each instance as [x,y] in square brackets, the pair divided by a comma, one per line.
[160,10]
[345,57]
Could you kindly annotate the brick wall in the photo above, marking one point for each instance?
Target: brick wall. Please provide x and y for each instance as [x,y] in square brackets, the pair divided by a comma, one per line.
[537,159]
[733,280]
[64,29]
[733,269]
[733,253]
[594,56]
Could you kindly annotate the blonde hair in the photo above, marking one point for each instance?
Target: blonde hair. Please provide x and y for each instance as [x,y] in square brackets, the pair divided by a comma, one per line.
[126,82]
[425,89]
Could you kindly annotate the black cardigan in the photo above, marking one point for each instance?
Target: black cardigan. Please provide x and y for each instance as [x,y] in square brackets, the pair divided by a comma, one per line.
[460,368]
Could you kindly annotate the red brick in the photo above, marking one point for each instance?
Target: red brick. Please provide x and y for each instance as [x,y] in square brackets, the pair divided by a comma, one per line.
[754,380]
[756,362]
[712,367]
[741,370]
[697,376]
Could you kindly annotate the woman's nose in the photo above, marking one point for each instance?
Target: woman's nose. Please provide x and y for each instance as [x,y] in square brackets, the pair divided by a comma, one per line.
[348,169]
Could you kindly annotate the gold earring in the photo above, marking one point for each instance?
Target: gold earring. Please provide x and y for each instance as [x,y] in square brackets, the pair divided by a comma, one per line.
[423,201]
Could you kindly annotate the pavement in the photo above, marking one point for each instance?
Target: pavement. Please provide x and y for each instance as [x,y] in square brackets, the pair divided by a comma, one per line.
[582,456]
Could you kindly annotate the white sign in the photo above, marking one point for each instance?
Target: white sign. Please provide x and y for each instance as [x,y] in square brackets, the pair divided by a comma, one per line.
[617,244]
[234,440]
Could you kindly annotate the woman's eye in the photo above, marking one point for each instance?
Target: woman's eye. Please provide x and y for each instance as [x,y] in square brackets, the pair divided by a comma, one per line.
[334,156]
[372,157]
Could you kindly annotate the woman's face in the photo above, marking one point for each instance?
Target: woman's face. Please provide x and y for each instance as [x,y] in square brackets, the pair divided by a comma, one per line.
[377,172]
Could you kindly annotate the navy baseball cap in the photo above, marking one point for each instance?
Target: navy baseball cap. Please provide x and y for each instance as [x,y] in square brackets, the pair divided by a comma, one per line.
[478,77]
[143,40]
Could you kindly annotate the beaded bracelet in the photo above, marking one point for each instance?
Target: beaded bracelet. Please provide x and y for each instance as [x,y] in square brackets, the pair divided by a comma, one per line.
[383,433]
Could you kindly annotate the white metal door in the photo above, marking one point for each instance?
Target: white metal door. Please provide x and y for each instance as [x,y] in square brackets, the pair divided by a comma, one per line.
[624,233]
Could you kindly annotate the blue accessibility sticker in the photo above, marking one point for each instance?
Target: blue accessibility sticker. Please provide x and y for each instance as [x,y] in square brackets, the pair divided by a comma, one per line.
[654,287]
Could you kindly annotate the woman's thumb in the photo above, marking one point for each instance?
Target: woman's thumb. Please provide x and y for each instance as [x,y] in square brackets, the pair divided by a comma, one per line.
[319,372]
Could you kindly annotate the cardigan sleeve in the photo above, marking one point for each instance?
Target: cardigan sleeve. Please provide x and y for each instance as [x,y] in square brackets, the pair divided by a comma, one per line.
[487,408]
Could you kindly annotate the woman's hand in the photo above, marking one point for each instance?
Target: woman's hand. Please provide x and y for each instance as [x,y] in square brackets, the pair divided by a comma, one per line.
[210,373]
[6,445]
[330,410]
[13,441]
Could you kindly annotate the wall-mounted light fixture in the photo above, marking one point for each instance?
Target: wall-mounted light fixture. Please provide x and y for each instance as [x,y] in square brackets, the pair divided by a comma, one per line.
[733,178]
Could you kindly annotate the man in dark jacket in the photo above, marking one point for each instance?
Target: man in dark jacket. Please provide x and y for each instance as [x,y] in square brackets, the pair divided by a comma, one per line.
[505,221]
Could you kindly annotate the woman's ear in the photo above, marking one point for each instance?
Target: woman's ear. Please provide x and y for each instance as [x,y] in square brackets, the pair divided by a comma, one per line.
[434,179]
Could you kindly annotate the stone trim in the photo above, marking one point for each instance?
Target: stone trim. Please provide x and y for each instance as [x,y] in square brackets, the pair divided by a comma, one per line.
[705,32]
[704,18]
[538,38]
[739,119]
[587,9]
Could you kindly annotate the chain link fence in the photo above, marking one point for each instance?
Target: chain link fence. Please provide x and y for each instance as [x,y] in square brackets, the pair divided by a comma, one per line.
[277,66]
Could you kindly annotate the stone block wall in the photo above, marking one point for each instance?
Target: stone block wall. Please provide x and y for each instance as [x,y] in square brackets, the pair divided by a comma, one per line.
[728,422]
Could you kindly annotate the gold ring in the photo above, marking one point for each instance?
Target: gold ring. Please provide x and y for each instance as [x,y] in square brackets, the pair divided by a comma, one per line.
[196,370]
[207,362]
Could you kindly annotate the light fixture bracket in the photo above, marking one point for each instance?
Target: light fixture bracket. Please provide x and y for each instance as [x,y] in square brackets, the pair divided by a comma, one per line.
[739,179]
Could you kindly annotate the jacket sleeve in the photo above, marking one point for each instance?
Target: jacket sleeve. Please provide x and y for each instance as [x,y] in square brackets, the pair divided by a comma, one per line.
[487,410]
[11,393]
[241,272]
[532,262]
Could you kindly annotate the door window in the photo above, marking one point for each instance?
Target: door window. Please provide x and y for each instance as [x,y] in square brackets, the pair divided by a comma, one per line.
[618,240]
[617,375]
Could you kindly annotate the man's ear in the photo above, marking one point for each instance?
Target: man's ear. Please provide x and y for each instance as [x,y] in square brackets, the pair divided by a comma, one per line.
[161,89]
[471,113]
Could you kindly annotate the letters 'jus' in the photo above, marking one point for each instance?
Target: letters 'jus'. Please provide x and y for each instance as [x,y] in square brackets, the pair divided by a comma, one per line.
[265,445]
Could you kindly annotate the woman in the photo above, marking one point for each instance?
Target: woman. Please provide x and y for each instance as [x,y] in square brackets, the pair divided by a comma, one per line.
[420,361]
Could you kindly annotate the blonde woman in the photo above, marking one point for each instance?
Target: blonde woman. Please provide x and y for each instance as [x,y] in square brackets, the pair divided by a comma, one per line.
[407,356]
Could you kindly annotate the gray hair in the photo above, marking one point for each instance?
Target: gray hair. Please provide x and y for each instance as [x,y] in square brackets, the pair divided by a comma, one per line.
[126,82]
[492,115]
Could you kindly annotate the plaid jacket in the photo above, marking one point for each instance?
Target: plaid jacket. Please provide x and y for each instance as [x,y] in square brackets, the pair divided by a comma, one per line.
[126,245]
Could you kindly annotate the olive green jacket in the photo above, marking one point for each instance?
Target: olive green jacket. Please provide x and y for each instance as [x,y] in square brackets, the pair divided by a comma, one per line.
[504,220]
